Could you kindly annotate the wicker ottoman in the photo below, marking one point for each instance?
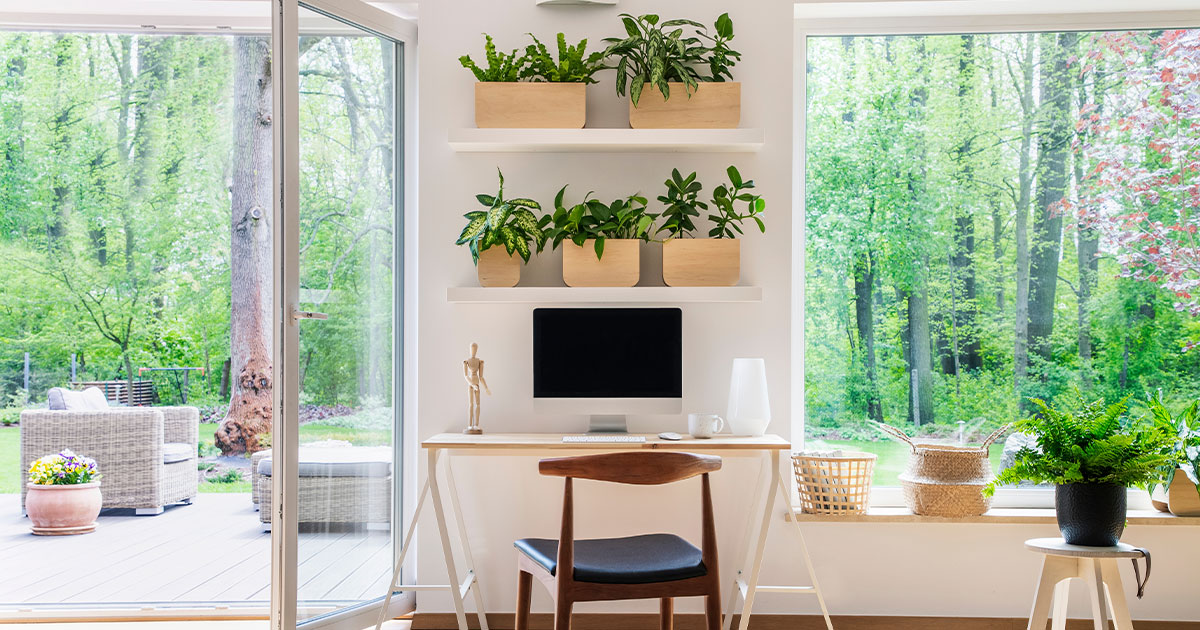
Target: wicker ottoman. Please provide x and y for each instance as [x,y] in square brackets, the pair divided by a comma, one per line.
[337,485]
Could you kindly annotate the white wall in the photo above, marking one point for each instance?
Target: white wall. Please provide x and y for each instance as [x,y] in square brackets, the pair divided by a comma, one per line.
[960,570]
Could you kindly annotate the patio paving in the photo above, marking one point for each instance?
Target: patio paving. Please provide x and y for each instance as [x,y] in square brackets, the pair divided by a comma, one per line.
[214,550]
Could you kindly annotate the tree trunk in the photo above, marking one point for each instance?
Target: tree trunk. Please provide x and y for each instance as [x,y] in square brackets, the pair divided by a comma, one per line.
[251,407]
[864,317]
[962,261]
[1088,246]
[920,369]
[224,390]
[64,69]
[1053,141]
[1020,223]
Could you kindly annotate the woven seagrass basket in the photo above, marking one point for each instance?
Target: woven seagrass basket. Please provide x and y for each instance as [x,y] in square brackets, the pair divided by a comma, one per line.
[834,484]
[943,479]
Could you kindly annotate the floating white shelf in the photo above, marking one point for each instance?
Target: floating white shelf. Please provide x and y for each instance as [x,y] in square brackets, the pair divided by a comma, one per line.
[472,140]
[601,295]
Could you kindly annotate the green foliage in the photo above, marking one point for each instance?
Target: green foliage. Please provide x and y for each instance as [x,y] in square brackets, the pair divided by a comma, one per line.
[510,223]
[571,67]
[593,219]
[682,203]
[501,66]
[726,219]
[656,52]
[1091,444]
[721,58]
[1183,450]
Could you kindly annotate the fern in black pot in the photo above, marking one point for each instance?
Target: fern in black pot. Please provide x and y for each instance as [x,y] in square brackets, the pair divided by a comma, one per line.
[1091,454]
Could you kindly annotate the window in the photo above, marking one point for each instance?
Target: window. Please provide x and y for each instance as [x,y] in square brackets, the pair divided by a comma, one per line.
[990,217]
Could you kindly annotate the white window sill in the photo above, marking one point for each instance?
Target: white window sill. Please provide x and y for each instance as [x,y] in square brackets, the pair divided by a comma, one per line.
[994,516]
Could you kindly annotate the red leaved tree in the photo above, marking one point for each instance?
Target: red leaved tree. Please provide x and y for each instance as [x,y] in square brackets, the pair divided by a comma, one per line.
[1143,193]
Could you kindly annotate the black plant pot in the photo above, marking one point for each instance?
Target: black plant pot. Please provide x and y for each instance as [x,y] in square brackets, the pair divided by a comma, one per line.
[1091,514]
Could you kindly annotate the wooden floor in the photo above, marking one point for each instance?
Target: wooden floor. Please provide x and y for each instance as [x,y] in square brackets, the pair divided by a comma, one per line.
[214,550]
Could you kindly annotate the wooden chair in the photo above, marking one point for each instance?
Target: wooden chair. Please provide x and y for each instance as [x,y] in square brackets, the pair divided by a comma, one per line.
[661,566]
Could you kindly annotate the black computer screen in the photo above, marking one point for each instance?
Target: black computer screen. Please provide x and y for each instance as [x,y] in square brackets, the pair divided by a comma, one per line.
[607,353]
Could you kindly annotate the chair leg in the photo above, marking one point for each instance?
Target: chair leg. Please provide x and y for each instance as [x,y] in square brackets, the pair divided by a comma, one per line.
[712,609]
[524,595]
[666,614]
[562,614]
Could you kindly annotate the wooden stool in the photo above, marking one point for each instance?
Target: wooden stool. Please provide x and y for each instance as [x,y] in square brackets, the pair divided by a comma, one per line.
[1096,566]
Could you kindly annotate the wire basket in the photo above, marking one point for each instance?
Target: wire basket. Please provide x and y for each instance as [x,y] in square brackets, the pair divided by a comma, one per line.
[834,484]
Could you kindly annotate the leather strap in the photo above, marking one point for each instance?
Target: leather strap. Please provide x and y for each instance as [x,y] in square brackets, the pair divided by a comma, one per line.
[1137,576]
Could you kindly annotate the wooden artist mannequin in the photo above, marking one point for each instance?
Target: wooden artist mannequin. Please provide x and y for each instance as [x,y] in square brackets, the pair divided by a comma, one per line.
[473,373]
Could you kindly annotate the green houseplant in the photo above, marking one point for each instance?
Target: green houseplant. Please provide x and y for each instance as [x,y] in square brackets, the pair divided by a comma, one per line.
[1091,454]
[657,57]
[1180,475]
[716,260]
[600,241]
[64,494]
[506,227]
[534,89]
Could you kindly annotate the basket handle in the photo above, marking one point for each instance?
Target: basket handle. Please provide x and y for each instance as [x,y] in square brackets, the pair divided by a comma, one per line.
[987,441]
[896,433]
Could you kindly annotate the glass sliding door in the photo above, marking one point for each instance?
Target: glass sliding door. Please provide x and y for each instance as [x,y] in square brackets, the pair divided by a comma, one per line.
[342,270]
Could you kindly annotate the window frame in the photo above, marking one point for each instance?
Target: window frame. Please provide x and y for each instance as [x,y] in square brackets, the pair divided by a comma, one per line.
[931,17]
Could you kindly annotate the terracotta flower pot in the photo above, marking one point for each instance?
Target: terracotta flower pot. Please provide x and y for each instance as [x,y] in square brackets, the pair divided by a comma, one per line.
[63,510]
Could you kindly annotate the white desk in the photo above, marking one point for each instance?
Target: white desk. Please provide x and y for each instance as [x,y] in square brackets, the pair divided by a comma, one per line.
[745,582]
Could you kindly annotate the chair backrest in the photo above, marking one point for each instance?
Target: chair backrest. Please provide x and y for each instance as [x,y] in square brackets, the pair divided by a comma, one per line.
[638,467]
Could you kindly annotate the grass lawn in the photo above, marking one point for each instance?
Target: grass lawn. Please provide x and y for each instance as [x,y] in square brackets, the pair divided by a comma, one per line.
[10,460]
[893,456]
[10,451]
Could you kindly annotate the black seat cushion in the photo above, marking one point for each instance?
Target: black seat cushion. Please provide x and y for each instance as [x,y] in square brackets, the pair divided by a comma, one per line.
[634,560]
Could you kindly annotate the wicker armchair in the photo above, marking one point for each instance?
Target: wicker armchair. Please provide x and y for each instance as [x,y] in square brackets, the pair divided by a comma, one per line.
[147,455]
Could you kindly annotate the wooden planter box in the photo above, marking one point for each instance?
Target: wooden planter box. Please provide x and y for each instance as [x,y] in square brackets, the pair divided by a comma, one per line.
[702,262]
[619,267]
[711,106]
[1182,498]
[497,268]
[524,105]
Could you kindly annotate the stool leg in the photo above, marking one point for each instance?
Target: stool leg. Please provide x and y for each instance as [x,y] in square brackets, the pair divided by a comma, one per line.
[1054,570]
[1090,568]
[1116,595]
[666,614]
[1062,592]
[524,594]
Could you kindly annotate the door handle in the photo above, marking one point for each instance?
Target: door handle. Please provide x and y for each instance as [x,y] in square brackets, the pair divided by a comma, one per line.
[299,315]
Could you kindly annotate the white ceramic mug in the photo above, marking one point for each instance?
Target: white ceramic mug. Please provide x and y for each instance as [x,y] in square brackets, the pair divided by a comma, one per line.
[704,425]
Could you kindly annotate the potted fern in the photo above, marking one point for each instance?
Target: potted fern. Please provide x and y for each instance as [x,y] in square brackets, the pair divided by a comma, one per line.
[600,241]
[507,230]
[1092,455]
[706,262]
[534,89]
[660,59]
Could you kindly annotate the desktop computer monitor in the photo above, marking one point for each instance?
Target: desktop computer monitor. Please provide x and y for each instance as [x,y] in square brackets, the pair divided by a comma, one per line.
[608,362]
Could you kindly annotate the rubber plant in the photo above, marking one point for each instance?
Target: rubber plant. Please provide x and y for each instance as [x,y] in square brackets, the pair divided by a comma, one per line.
[507,222]
[573,65]
[501,67]
[624,218]
[659,52]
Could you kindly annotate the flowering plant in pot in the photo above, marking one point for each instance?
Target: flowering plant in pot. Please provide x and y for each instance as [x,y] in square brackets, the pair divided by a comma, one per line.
[494,235]
[1091,454]
[64,494]
[714,261]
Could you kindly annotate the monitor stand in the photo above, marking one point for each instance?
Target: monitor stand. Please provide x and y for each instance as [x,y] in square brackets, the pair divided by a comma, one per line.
[608,424]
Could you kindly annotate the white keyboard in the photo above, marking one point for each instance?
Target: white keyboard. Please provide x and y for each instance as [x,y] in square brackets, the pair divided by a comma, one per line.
[602,439]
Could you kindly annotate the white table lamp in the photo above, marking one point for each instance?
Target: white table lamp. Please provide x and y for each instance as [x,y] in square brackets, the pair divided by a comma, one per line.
[749,409]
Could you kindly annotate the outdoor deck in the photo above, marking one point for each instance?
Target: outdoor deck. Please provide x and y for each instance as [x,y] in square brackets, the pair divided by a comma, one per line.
[214,550]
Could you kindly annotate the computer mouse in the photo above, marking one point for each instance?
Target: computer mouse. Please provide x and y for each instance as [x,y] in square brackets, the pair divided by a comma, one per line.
[670,436]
